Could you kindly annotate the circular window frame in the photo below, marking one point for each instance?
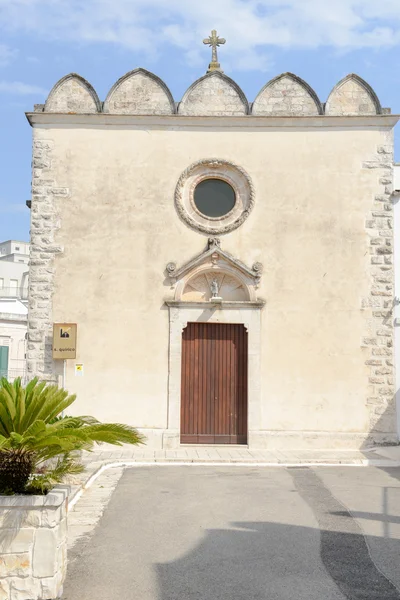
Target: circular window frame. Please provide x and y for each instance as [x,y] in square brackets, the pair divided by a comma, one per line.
[214,168]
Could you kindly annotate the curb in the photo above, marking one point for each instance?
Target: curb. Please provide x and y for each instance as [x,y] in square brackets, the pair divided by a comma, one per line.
[78,490]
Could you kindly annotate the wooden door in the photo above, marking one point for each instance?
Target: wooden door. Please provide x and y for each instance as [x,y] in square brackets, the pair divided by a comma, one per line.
[214,384]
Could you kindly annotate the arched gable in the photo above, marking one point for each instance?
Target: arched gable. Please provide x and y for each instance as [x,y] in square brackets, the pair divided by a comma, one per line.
[139,92]
[353,96]
[288,95]
[73,94]
[214,94]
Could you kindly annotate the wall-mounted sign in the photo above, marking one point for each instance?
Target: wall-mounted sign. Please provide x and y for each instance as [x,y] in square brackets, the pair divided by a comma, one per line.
[64,340]
[79,370]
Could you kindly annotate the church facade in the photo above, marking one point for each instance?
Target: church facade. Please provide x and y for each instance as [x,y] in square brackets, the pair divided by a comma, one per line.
[228,264]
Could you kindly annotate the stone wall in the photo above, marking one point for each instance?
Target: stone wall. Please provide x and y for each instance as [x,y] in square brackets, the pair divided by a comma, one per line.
[139,93]
[379,335]
[33,545]
[286,95]
[44,224]
[352,96]
[214,95]
[72,94]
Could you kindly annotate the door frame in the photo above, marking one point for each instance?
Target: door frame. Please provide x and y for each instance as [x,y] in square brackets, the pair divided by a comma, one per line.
[244,313]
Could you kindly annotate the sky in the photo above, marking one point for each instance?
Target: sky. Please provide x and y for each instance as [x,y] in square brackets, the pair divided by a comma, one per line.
[42,40]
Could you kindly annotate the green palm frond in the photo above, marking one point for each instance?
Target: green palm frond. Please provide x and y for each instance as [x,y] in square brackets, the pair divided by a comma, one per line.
[34,431]
[113,433]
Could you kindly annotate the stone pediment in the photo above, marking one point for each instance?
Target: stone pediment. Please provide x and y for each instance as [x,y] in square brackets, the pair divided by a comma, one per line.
[214,275]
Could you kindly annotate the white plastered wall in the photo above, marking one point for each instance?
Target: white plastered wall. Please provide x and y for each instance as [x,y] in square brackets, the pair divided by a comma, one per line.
[119,228]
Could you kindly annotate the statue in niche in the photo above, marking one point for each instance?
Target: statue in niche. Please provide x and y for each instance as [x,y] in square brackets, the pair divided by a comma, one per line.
[214,288]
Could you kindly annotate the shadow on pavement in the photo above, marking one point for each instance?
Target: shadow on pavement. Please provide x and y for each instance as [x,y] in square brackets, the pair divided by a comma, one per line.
[272,561]
[320,553]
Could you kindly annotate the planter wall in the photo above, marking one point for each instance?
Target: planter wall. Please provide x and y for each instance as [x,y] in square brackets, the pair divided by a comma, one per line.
[33,545]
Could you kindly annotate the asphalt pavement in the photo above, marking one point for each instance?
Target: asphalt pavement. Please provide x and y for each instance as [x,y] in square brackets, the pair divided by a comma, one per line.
[254,533]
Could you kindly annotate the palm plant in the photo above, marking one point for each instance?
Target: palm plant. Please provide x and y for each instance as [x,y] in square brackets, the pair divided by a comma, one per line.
[38,446]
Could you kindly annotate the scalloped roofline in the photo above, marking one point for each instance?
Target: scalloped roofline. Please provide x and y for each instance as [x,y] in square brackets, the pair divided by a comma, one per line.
[148,74]
[175,107]
[224,77]
[364,84]
[298,80]
[84,81]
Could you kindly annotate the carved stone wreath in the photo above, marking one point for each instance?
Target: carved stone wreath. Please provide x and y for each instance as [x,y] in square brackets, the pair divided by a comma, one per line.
[214,168]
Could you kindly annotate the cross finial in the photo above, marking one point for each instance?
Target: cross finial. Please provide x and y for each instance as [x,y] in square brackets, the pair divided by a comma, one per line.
[214,41]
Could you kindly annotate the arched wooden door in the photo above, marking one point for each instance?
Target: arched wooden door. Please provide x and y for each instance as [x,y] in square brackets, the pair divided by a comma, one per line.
[214,384]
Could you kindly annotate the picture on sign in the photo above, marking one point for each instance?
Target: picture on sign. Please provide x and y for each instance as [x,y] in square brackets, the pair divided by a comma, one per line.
[64,340]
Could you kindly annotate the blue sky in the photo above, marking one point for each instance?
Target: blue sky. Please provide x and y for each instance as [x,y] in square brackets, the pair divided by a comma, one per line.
[43,40]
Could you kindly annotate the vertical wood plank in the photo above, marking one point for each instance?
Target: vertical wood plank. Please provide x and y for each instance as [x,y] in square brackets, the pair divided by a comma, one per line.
[214,383]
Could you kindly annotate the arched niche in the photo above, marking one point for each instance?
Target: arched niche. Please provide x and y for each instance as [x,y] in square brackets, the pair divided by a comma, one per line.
[197,287]
[287,95]
[352,96]
[214,94]
[73,94]
[139,92]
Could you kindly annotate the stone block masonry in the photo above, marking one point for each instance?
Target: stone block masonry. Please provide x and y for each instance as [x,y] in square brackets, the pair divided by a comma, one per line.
[379,336]
[44,224]
[33,545]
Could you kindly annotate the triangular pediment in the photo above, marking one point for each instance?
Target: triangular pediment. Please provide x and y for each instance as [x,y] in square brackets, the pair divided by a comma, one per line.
[194,278]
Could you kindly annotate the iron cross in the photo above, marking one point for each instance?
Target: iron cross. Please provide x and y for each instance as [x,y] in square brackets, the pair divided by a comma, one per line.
[214,41]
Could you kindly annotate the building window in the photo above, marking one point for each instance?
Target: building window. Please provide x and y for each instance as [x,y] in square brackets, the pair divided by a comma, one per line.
[4,361]
[13,287]
[214,198]
[16,248]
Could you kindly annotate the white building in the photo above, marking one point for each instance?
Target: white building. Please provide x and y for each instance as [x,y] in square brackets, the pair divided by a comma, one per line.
[14,251]
[13,327]
[14,259]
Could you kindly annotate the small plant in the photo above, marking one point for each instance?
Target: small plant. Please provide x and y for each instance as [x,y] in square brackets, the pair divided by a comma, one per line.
[39,446]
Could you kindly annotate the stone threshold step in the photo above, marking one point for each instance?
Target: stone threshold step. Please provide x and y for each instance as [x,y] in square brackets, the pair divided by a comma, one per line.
[199,446]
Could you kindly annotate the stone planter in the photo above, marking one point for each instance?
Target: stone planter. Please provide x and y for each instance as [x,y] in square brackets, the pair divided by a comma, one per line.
[33,545]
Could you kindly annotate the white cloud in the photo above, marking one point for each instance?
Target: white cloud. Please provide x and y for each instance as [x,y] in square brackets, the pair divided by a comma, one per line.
[252,27]
[7,55]
[19,88]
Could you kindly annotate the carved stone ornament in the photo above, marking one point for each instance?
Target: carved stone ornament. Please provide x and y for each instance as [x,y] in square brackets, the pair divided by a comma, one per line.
[212,242]
[215,274]
[171,266]
[214,168]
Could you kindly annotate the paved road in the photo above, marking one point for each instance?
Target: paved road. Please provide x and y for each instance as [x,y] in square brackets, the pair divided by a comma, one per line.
[211,533]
